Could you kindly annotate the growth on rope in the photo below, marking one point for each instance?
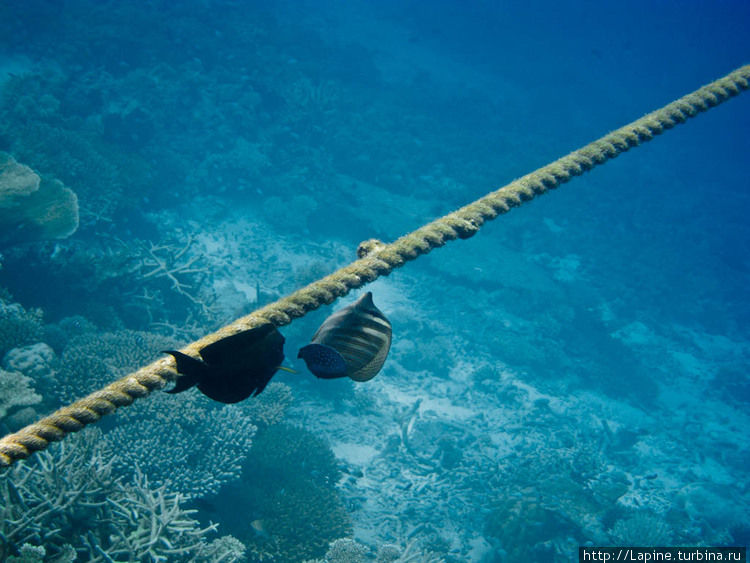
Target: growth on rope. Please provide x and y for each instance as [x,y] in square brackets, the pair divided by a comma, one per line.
[376,259]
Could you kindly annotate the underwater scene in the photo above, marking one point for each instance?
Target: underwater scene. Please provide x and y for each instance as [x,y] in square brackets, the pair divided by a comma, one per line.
[576,374]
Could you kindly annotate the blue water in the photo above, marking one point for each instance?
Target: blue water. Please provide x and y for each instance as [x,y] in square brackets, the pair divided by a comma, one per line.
[575,374]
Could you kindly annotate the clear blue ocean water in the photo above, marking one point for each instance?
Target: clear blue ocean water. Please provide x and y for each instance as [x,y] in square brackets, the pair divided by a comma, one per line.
[576,374]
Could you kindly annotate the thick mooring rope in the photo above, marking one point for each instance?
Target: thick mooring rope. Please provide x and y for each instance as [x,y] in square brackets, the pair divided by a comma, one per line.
[376,259]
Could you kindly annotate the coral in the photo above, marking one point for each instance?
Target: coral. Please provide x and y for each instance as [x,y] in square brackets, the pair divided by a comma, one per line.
[28,553]
[346,550]
[390,553]
[286,452]
[33,208]
[291,491]
[269,407]
[149,525]
[31,108]
[641,528]
[546,495]
[224,549]
[91,360]
[18,326]
[184,442]
[301,518]
[16,391]
[58,335]
[69,496]
[34,360]
[177,266]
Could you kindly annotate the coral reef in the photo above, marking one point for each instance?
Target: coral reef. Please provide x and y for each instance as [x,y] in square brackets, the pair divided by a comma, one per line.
[503,345]
[69,496]
[184,442]
[33,208]
[290,493]
[347,550]
[281,443]
[90,360]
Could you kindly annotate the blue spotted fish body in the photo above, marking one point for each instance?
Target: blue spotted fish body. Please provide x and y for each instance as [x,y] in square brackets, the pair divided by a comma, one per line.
[353,342]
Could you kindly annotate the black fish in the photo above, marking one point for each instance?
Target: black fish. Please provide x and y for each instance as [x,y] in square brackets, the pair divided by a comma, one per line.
[352,342]
[234,367]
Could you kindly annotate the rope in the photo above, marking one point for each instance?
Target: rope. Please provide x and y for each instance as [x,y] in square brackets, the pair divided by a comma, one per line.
[377,259]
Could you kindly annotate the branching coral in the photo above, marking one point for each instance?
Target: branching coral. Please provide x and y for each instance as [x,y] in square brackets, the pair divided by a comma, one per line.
[150,526]
[286,452]
[173,263]
[69,495]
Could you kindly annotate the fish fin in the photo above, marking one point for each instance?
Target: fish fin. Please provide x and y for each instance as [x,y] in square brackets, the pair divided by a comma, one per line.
[323,361]
[217,352]
[191,371]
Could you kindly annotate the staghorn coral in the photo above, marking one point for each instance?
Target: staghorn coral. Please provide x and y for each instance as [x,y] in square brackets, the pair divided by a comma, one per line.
[70,496]
[179,267]
[16,391]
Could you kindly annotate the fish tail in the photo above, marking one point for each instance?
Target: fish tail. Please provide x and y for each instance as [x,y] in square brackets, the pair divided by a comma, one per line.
[191,371]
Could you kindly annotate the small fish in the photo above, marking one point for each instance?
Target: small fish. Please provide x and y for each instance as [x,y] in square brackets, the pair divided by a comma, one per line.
[352,342]
[259,527]
[232,368]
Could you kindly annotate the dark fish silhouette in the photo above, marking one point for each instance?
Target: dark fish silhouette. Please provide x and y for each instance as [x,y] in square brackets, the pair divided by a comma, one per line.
[232,368]
[352,342]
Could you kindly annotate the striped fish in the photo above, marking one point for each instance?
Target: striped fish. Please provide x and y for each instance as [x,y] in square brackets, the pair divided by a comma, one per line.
[353,342]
